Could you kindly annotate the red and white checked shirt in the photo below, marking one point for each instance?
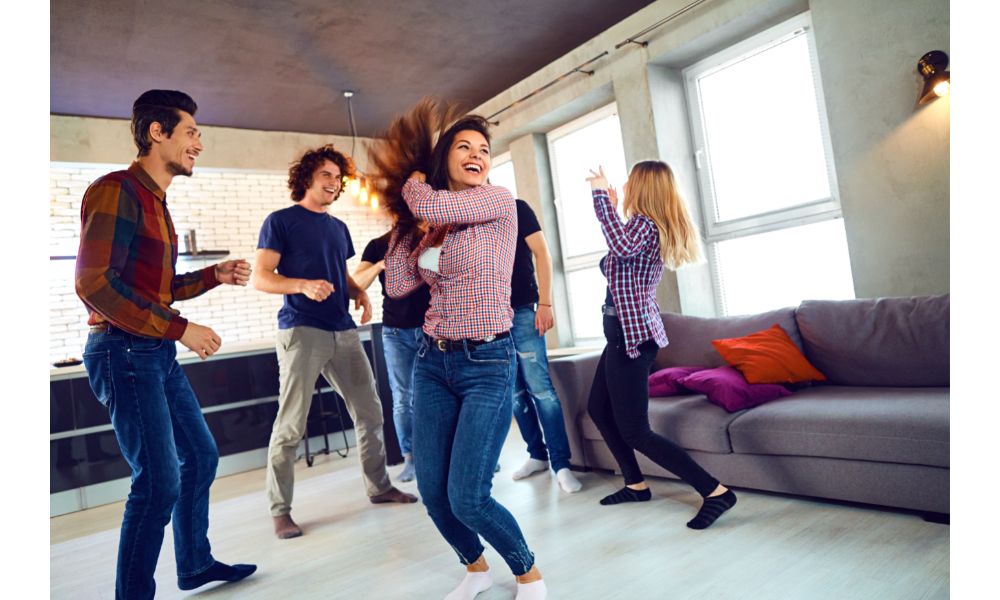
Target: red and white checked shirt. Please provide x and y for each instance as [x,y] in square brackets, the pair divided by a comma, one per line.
[633,268]
[470,295]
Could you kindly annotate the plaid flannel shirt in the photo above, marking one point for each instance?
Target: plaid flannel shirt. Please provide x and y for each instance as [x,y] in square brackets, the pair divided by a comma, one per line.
[470,297]
[125,269]
[633,269]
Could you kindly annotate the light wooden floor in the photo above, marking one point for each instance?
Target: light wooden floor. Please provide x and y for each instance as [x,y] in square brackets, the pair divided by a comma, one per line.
[769,547]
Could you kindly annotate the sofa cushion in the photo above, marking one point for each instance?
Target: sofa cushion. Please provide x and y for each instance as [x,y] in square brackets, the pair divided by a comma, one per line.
[879,342]
[692,422]
[728,388]
[665,382]
[769,356]
[691,337]
[899,425]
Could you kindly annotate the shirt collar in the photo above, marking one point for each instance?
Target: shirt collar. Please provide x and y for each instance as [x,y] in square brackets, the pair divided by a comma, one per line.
[147,181]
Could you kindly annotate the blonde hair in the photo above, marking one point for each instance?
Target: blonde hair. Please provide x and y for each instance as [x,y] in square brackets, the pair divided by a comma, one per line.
[652,192]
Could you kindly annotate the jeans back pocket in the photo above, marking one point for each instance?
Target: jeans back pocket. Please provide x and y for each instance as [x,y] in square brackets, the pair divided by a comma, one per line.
[98,365]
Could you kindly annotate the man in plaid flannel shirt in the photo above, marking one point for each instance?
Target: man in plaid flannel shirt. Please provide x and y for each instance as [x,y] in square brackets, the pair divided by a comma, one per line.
[125,275]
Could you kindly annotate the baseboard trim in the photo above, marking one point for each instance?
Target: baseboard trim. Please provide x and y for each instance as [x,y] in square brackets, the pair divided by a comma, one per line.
[116,490]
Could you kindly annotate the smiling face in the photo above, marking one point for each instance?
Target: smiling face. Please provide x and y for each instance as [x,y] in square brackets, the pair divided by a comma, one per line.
[468,161]
[180,150]
[325,187]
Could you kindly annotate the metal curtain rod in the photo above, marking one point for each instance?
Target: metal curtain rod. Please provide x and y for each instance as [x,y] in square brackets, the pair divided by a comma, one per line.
[548,85]
[631,40]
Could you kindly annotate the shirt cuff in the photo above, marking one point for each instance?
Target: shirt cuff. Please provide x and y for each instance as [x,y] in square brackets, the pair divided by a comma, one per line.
[208,278]
[176,328]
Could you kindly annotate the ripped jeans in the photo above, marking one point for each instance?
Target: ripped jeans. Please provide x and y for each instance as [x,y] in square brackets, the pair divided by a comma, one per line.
[461,416]
[535,400]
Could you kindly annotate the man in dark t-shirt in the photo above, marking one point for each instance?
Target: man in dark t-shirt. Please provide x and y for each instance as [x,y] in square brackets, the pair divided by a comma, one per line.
[535,400]
[402,328]
[302,253]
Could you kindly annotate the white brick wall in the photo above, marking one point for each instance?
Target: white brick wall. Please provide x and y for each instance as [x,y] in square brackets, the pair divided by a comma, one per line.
[226,211]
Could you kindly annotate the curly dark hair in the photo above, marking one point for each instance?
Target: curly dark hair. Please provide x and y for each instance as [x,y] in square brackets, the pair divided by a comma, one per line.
[300,175]
[409,145]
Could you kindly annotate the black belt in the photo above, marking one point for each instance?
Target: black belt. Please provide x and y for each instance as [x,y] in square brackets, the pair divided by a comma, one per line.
[461,345]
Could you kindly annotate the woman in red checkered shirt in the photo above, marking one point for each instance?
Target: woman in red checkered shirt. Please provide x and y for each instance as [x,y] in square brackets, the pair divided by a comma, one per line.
[457,233]
[658,231]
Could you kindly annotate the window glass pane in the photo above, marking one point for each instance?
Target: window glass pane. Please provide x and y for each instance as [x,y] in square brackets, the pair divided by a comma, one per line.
[599,144]
[587,288]
[503,174]
[762,128]
[782,268]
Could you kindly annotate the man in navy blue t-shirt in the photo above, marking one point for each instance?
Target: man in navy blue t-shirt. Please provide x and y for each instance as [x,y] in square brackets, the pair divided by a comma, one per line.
[302,253]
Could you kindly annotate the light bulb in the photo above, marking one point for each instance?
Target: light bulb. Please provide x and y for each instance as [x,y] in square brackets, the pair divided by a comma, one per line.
[364,196]
[355,186]
[942,88]
[374,201]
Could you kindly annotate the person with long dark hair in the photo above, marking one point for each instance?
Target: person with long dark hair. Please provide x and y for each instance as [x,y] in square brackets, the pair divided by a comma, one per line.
[466,364]
[658,231]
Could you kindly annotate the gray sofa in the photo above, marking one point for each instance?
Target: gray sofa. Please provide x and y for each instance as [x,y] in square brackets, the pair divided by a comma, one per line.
[877,431]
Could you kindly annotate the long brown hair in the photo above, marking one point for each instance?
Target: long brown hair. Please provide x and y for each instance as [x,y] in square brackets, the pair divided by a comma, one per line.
[407,146]
[652,191]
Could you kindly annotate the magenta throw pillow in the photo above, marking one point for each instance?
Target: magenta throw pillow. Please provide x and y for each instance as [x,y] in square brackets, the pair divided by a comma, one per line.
[728,388]
[665,382]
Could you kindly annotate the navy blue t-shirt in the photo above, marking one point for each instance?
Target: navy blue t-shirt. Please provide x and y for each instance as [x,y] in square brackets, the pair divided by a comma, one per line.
[312,246]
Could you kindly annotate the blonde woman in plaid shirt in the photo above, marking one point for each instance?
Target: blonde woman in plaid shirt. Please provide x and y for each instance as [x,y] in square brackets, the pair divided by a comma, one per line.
[658,231]
[458,234]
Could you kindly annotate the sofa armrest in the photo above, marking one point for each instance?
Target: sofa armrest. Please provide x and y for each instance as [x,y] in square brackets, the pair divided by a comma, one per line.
[572,377]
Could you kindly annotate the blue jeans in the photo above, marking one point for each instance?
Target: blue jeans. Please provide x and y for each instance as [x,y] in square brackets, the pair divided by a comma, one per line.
[400,348]
[165,440]
[535,400]
[462,411]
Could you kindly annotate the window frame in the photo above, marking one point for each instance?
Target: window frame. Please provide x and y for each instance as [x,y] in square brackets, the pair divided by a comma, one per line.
[807,213]
[501,160]
[585,261]
[793,216]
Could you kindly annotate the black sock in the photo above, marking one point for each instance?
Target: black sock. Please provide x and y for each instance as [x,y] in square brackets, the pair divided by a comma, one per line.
[712,509]
[217,572]
[627,494]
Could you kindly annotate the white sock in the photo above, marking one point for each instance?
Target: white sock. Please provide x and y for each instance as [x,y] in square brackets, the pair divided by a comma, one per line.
[409,471]
[472,585]
[567,481]
[532,466]
[531,591]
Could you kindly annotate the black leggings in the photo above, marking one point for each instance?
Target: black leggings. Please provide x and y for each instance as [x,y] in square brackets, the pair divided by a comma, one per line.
[619,406]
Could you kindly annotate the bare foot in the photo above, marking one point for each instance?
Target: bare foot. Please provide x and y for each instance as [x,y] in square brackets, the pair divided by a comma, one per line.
[285,527]
[719,491]
[393,495]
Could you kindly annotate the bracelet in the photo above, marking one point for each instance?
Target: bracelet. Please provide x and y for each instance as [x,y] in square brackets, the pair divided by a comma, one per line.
[549,305]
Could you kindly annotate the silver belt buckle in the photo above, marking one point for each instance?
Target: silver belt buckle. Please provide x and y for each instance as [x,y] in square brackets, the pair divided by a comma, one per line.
[489,338]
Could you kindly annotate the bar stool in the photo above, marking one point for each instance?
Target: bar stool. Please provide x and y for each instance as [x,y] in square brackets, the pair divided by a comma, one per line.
[321,416]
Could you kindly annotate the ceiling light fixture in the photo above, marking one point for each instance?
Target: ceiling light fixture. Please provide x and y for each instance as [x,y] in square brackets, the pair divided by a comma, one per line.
[937,81]
[358,186]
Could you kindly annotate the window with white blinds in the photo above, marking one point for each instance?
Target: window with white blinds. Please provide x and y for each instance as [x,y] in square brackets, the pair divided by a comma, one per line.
[766,173]
[574,149]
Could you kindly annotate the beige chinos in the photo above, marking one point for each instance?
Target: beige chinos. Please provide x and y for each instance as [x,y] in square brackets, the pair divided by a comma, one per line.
[303,354]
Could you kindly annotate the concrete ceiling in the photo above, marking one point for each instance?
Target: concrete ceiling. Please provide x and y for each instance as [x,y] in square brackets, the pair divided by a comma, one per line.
[282,65]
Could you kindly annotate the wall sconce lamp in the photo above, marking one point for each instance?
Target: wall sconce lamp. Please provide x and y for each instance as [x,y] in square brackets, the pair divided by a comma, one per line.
[937,81]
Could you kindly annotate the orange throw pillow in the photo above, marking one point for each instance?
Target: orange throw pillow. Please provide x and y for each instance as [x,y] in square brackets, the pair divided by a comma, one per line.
[768,357]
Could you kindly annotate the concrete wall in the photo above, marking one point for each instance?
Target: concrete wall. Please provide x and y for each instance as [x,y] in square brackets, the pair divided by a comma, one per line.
[109,141]
[891,156]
